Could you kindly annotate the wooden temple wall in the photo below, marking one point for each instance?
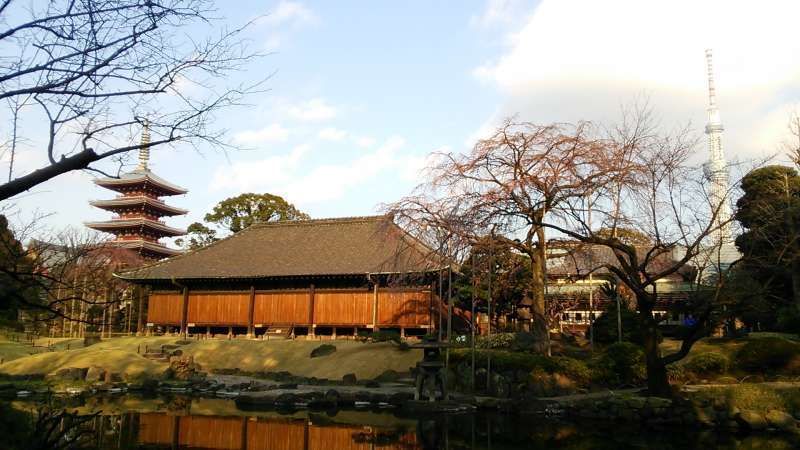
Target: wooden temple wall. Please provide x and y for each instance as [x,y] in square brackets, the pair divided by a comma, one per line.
[396,307]
[240,433]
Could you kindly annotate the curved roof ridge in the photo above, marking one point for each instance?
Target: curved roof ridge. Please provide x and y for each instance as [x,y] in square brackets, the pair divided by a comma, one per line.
[320,221]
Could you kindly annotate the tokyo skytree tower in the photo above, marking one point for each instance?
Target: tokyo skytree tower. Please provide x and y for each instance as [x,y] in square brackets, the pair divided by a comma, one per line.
[716,169]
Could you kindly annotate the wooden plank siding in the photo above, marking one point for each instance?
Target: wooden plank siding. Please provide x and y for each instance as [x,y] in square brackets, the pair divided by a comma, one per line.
[281,308]
[276,435]
[223,433]
[165,308]
[218,308]
[342,307]
[407,307]
[156,429]
[237,433]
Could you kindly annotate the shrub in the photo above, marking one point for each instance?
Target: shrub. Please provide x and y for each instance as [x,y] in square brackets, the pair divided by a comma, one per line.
[382,336]
[605,326]
[708,364]
[789,320]
[769,353]
[495,341]
[621,363]
[518,361]
[520,341]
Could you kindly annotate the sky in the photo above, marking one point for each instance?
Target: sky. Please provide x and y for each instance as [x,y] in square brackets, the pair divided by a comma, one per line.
[362,92]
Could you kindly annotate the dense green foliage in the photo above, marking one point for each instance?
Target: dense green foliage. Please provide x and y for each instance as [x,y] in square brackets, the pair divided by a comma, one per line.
[17,282]
[510,279]
[516,361]
[606,330]
[769,354]
[769,211]
[707,364]
[621,364]
[237,213]
[519,341]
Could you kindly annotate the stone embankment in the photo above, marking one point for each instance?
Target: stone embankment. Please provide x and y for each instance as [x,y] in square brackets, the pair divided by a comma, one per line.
[661,412]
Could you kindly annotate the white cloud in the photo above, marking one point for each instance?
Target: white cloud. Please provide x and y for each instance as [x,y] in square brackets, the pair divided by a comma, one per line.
[578,59]
[332,134]
[364,141]
[498,12]
[316,109]
[273,132]
[291,177]
[289,13]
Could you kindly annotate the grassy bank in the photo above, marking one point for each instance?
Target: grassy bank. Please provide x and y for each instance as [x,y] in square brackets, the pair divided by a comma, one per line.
[122,355]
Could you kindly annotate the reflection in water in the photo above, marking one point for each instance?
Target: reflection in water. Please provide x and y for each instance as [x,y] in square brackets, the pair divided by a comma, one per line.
[183,423]
[251,433]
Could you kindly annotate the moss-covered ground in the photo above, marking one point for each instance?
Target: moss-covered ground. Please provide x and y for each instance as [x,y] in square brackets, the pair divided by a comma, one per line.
[124,355]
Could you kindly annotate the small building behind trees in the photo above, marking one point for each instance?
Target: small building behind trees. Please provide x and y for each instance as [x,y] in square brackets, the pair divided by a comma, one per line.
[305,277]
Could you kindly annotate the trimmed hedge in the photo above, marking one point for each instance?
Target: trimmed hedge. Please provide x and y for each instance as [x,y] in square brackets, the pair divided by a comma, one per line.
[514,361]
[769,353]
[708,364]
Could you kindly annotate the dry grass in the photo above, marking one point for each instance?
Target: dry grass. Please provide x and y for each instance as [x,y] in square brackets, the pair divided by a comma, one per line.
[122,355]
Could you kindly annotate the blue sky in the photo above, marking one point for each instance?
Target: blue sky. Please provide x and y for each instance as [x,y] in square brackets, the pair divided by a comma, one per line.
[363,91]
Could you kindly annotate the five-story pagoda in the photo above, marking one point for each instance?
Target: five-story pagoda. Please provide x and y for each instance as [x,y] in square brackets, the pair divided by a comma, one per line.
[139,208]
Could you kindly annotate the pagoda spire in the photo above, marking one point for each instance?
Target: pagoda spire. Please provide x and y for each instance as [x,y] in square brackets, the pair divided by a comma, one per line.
[716,169]
[144,146]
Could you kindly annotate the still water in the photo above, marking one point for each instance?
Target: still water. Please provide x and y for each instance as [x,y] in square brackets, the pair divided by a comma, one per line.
[187,423]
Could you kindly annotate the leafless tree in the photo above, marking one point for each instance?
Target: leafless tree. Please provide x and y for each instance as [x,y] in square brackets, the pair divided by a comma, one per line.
[85,75]
[506,186]
[66,281]
[660,194]
[792,146]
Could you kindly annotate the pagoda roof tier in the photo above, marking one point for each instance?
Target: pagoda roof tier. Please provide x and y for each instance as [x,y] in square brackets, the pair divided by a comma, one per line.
[120,224]
[148,248]
[139,200]
[140,177]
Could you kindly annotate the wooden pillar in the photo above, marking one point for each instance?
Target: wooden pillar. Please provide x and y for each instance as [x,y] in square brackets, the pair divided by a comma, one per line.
[251,330]
[185,312]
[430,308]
[375,307]
[244,433]
[176,432]
[140,313]
[311,324]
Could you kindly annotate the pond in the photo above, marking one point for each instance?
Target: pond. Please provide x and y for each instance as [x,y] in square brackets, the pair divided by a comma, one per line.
[190,423]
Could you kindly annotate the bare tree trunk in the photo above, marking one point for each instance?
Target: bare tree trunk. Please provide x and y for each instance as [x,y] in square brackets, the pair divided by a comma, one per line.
[796,281]
[539,326]
[657,381]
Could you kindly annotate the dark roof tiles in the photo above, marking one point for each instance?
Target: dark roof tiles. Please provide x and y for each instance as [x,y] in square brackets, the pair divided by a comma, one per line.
[345,246]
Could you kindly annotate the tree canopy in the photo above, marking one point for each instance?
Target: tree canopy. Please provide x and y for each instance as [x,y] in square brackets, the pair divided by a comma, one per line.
[769,211]
[234,214]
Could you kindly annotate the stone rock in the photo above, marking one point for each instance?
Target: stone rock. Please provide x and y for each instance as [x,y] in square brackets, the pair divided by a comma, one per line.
[95,374]
[372,384]
[349,378]
[286,399]
[70,374]
[399,398]
[287,386]
[183,367]
[111,377]
[500,386]
[323,350]
[781,420]
[388,376]
[332,396]
[751,420]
